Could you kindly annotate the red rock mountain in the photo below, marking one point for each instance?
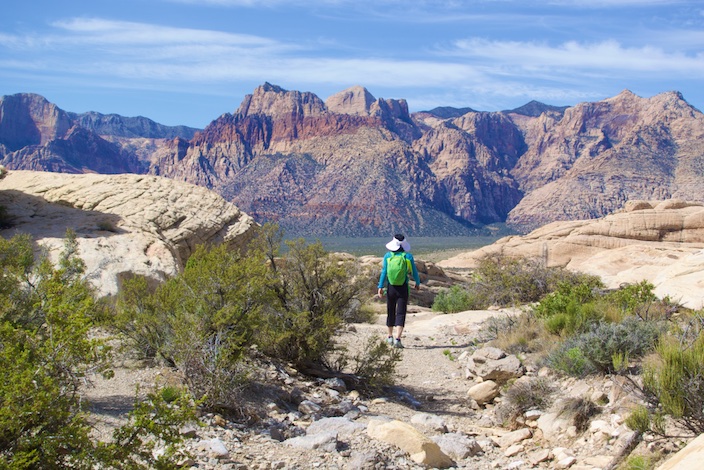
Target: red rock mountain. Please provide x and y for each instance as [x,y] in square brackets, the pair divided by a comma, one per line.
[357,165]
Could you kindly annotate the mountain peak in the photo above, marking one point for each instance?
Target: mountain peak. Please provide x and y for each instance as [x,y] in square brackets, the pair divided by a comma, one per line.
[355,100]
[272,100]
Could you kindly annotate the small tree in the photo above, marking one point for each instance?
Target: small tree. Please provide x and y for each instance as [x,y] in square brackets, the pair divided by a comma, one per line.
[312,294]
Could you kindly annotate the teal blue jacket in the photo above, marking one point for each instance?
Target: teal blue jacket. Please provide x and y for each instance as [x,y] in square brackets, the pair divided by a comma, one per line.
[382,278]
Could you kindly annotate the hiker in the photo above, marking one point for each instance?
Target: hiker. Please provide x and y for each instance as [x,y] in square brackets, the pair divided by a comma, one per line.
[395,267]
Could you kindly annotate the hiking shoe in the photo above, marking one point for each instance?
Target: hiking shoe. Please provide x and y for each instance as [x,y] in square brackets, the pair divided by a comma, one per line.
[390,341]
[398,344]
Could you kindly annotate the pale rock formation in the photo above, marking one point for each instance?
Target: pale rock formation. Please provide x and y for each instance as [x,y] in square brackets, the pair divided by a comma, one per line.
[484,392]
[494,364]
[422,449]
[689,458]
[125,224]
[658,241]
[355,100]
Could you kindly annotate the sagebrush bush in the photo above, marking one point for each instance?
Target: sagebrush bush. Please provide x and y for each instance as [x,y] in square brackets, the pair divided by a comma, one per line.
[573,308]
[372,368]
[593,351]
[579,410]
[456,299]
[523,333]
[505,280]
[639,462]
[311,295]
[205,320]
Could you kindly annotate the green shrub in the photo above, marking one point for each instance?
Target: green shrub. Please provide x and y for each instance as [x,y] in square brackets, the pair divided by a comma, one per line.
[47,352]
[523,333]
[570,360]
[455,299]
[674,381]
[202,321]
[504,280]
[311,295]
[639,420]
[373,368]
[594,350]
[639,462]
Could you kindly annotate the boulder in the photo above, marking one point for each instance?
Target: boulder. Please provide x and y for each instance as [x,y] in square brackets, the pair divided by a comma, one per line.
[689,458]
[493,364]
[125,224]
[457,445]
[484,392]
[421,449]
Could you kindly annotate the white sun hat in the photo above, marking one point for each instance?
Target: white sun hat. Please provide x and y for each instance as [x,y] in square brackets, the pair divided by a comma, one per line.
[395,244]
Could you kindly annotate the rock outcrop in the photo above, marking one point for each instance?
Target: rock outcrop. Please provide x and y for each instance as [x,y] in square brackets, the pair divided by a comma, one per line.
[658,241]
[125,224]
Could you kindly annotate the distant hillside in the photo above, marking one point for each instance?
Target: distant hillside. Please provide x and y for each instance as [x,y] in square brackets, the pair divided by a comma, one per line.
[447,112]
[536,108]
[120,126]
[356,165]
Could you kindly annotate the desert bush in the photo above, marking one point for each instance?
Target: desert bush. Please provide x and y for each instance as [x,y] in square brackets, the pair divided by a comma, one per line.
[594,351]
[568,297]
[372,368]
[47,351]
[644,420]
[456,299]
[508,280]
[202,321]
[639,462]
[523,333]
[673,381]
[535,393]
[573,309]
[312,295]
[579,410]
[144,326]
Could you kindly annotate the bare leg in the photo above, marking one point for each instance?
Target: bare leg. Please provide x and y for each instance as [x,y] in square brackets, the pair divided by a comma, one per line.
[400,331]
[391,331]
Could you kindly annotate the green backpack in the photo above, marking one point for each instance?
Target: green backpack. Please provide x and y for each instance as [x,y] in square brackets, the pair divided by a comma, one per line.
[397,267]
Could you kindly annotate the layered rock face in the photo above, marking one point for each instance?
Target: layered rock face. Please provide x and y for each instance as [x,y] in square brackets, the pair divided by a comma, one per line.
[125,224]
[352,165]
[355,165]
[658,241]
[590,161]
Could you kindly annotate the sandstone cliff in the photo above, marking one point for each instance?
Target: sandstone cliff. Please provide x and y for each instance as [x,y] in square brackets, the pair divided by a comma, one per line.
[658,241]
[125,224]
[591,160]
[355,165]
[352,165]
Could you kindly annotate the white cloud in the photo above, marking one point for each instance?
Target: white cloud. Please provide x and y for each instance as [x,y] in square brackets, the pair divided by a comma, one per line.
[130,33]
[605,56]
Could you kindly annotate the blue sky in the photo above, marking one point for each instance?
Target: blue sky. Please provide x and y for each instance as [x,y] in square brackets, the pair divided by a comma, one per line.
[189,61]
